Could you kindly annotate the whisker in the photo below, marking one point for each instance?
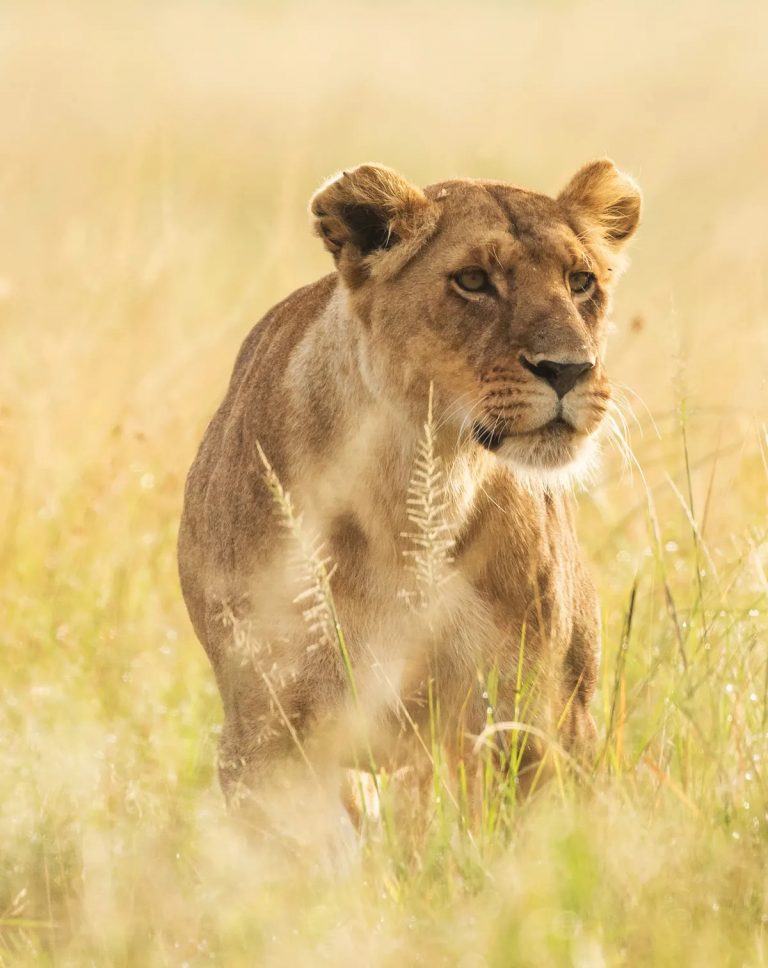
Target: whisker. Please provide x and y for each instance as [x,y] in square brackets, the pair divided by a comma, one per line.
[468,421]
[624,388]
[453,409]
[620,440]
[617,413]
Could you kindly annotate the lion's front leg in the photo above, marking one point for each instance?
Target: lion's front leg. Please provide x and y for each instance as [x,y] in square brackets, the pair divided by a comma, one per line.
[279,760]
[576,732]
[278,695]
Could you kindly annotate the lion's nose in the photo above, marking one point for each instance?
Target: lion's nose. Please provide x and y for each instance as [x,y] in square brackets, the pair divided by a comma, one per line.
[562,377]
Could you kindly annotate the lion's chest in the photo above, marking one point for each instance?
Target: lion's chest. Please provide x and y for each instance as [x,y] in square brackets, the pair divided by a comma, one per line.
[447,575]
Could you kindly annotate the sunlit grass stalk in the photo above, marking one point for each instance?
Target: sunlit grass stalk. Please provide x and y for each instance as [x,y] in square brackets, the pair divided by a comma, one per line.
[694,529]
[618,680]
[431,539]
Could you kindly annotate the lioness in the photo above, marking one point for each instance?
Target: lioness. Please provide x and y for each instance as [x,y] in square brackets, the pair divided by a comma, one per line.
[488,304]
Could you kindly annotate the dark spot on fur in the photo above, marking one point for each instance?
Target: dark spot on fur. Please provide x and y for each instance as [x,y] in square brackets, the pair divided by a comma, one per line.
[349,544]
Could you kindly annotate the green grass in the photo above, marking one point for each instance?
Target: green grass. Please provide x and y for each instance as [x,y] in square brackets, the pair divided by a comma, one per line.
[116,848]
[155,164]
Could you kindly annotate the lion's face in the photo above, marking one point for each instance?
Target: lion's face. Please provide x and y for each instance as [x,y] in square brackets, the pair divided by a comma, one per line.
[496,295]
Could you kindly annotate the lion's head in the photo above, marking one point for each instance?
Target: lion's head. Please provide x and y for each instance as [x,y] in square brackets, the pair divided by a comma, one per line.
[497,295]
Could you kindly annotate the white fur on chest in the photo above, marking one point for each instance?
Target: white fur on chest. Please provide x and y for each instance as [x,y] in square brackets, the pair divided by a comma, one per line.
[404,607]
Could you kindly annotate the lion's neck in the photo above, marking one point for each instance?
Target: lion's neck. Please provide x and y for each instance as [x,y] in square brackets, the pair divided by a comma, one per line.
[369,448]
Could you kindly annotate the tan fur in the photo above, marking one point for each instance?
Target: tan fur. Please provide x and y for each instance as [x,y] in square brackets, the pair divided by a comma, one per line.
[334,384]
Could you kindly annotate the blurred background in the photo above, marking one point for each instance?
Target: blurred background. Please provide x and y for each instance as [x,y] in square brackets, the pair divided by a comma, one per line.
[156,160]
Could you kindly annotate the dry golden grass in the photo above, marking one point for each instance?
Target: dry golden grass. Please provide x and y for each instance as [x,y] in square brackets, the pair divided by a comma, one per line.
[155,163]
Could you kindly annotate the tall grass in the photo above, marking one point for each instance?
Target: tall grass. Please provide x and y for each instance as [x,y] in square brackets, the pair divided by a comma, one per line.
[155,162]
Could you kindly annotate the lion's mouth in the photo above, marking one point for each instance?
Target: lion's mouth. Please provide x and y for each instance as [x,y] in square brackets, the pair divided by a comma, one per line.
[490,439]
[493,438]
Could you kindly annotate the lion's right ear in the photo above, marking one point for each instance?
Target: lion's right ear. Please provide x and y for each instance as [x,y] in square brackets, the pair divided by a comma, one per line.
[370,212]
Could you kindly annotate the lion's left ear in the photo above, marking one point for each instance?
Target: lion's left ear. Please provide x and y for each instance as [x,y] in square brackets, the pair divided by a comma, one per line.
[606,197]
[371,218]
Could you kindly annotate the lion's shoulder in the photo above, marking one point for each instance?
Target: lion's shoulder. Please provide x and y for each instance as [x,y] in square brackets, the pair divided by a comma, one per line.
[282,326]
[253,407]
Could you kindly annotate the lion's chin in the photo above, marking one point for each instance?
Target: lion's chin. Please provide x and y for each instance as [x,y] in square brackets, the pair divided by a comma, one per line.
[555,457]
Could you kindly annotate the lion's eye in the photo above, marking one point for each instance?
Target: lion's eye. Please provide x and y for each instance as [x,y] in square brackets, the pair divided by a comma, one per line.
[581,282]
[472,279]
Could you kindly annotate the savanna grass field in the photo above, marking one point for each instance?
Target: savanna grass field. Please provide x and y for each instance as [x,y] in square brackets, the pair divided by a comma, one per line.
[156,160]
